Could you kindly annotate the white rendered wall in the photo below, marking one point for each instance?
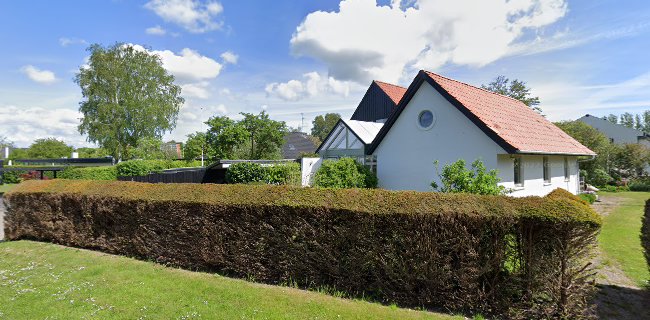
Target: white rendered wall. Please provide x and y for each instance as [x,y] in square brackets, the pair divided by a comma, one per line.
[406,154]
[533,174]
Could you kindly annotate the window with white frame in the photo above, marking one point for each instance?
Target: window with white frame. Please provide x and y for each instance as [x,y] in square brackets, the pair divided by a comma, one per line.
[518,172]
[567,175]
[546,170]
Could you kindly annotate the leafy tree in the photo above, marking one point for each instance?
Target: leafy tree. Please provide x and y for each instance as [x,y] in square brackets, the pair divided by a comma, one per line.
[148,149]
[638,124]
[196,145]
[4,142]
[224,136]
[49,148]
[612,118]
[456,178]
[646,120]
[322,125]
[128,96]
[266,136]
[516,89]
[630,160]
[627,119]
[92,152]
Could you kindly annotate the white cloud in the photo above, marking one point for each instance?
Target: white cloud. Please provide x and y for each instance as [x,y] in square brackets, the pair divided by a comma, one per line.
[193,15]
[23,125]
[364,41]
[38,75]
[313,84]
[196,90]
[229,57]
[156,31]
[64,42]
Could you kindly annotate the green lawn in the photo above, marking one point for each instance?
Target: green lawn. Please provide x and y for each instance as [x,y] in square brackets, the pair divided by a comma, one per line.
[6,187]
[39,281]
[620,235]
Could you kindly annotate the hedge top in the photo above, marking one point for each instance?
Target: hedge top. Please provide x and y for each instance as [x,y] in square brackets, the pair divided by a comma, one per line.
[558,207]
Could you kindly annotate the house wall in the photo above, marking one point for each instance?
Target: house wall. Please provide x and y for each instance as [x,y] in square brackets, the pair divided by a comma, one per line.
[533,174]
[617,132]
[406,154]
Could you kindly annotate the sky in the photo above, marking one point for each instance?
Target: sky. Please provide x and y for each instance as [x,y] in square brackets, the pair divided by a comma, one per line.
[297,59]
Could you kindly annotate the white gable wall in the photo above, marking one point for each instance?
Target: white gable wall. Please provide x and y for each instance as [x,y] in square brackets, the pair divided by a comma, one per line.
[406,154]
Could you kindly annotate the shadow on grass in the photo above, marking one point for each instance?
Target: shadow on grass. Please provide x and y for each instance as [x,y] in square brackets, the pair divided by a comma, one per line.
[615,302]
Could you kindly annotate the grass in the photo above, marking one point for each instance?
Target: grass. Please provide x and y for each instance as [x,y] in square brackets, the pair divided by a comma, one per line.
[6,187]
[40,280]
[620,235]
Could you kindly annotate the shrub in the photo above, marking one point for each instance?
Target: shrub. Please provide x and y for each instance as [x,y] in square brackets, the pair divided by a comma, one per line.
[588,197]
[645,234]
[457,178]
[344,173]
[639,186]
[599,177]
[287,173]
[11,177]
[500,256]
[89,173]
[245,172]
[144,167]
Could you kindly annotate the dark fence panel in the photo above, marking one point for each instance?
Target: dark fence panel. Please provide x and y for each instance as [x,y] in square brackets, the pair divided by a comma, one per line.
[201,175]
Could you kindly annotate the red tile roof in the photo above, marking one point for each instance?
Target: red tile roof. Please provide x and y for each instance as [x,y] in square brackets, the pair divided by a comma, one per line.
[394,92]
[518,125]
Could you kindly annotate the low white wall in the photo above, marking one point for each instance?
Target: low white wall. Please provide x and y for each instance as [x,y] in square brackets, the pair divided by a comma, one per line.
[308,167]
[532,171]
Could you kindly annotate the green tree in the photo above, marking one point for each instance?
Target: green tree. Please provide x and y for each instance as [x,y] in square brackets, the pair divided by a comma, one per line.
[457,178]
[594,140]
[612,118]
[630,160]
[627,119]
[128,96]
[92,152]
[196,145]
[516,89]
[322,125]
[638,124]
[148,149]
[49,148]
[224,136]
[266,136]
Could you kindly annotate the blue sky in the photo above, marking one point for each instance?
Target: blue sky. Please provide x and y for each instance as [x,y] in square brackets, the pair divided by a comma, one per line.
[311,57]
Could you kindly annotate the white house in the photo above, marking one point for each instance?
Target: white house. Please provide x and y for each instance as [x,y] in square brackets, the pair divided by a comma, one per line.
[616,133]
[443,119]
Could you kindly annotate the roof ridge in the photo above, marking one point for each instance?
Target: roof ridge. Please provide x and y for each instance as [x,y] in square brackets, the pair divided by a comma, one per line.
[473,86]
[390,84]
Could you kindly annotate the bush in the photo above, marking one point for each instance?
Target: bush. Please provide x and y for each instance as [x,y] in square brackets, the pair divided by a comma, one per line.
[503,257]
[599,178]
[588,197]
[640,186]
[245,172]
[457,178]
[645,234]
[344,173]
[287,173]
[11,177]
[89,173]
[144,167]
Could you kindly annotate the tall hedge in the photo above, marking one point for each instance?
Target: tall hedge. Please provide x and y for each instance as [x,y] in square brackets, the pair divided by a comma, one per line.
[90,173]
[510,258]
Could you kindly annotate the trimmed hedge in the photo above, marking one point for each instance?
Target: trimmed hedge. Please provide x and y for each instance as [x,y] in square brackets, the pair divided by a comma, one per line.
[344,173]
[501,256]
[249,172]
[645,234]
[144,167]
[89,173]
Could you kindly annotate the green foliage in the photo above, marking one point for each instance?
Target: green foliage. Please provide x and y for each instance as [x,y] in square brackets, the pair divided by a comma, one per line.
[196,145]
[344,173]
[598,177]
[224,136]
[516,89]
[456,178]
[245,172]
[640,185]
[89,173]
[49,148]
[92,153]
[283,174]
[630,160]
[610,188]
[627,120]
[144,167]
[151,149]
[322,125]
[370,242]
[645,234]
[11,177]
[588,197]
[127,96]
[266,136]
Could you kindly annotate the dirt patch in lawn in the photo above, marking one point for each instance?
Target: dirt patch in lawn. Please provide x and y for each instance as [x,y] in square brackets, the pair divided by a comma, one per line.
[607,204]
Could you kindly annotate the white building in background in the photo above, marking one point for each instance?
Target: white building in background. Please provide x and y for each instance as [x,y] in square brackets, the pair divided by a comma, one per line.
[441,119]
[616,133]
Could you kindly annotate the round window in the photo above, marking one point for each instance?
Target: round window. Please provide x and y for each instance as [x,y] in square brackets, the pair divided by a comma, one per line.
[426,119]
